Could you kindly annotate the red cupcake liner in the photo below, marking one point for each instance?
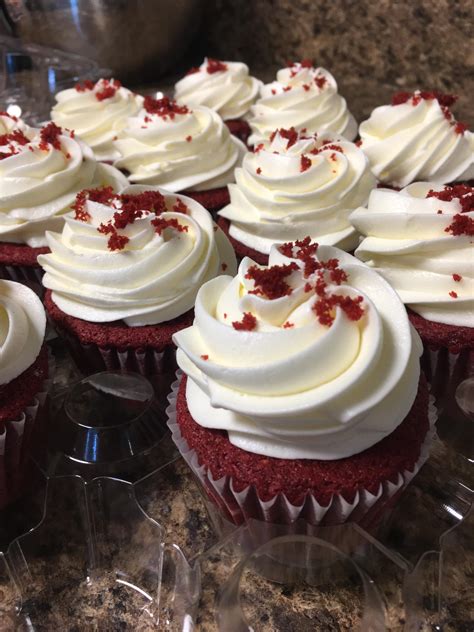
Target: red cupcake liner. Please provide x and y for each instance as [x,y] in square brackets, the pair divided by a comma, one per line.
[445,370]
[240,506]
[26,275]
[18,437]
[239,128]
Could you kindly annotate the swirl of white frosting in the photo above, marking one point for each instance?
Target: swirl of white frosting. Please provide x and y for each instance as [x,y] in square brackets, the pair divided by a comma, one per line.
[10,123]
[179,150]
[153,279]
[96,120]
[230,91]
[417,140]
[407,242]
[307,390]
[295,185]
[39,182]
[302,97]
[22,329]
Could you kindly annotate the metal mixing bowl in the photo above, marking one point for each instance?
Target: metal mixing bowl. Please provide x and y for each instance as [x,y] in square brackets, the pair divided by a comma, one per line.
[137,39]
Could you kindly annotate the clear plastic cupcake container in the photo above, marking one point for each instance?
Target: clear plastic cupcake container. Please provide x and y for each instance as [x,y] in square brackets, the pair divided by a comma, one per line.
[18,438]
[240,506]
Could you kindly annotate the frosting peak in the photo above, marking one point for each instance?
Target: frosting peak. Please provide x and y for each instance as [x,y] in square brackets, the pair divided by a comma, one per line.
[22,329]
[170,145]
[97,112]
[41,170]
[140,256]
[311,356]
[295,184]
[418,138]
[304,97]
[420,240]
[225,87]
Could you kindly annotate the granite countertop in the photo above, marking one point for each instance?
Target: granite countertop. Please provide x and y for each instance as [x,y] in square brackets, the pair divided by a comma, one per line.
[71,598]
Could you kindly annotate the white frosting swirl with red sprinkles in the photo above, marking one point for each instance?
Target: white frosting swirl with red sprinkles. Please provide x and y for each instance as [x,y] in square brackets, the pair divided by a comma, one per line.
[311,356]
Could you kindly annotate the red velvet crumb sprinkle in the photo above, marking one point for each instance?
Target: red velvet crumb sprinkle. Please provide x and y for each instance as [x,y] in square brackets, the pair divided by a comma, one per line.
[461,192]
[117,242]
[108,89]
[291,135]
[85,86]
[305,163]
[193,70]
[248,322]
[446,100]
[165,107]
[288,325]
[224,267]
[205,357]
[271,282]
[358,143]
[50,136]
[214,65]
[189,139]
[461,225]
[180,207]
[320,81]
[258,171]
[160,224]
[453,294]
[457,277]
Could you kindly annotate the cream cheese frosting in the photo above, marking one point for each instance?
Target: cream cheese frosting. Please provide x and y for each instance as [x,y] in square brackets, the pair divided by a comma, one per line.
[418,138]
[225,87]
[41,171]
[312,357]
[421,240]
[9,123]
[177,148]
[293,185]
[96,112]
[303,97]
[139,257]
[22,329]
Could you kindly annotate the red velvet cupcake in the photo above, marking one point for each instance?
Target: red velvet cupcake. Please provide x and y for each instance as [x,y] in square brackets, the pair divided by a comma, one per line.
[303,397]
[123,275]
[180,149]
[420,240]
[224,86]
[42,171]
[24,382]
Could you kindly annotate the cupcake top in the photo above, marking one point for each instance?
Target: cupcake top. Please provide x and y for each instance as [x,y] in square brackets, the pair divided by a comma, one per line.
[223,86]
[418,138]
[97,112]
[9,123]
[22,329]
[140,256]
[303,97]
[178,148]
[41,171]
[310,357]
[421,240]
[294,185]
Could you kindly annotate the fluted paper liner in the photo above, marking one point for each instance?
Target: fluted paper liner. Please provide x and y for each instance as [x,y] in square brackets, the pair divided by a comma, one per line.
[26,275]
[15,441]
[446,370]
[239,507]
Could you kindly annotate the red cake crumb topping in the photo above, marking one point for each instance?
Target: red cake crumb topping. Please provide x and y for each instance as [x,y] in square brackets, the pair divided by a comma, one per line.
[248,322]
[258,171]
[180,207]
[205,357]
[117,242]
[193,70]
[214,65]
[271,282]
[287,88]
[85,86]
[108,89]
[460,128]
[10,116]
[291,135]
[306,87]
[161,224]
[17,137]
[305,163]
[325,305]
[165,107]
[457,277]
[258,147]
[274,91]
[224,267]
[50,136]
[461,225]
[445,101]
[152,201]
[288,325]
[461,192]
[103,195]
[320,81]
[439,212]
[453,294]
[358,143]
[189,139]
